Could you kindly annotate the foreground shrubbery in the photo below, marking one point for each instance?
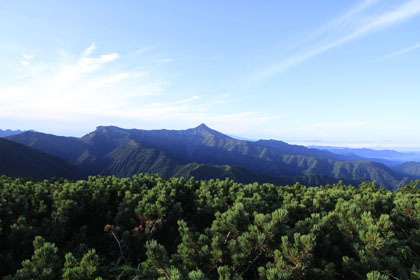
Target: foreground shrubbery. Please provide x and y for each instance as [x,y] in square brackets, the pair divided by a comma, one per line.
[147,227]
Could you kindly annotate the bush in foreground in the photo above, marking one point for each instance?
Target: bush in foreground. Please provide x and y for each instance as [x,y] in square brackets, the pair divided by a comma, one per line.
[146,227]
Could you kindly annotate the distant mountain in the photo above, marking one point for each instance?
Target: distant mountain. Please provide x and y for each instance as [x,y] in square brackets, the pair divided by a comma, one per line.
[67,148]
[388,157]
[9,132]
[111,150]
[20,161]
[105,153]
[285,148]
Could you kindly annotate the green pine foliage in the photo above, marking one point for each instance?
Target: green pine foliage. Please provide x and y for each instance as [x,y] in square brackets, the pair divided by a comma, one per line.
[148,227]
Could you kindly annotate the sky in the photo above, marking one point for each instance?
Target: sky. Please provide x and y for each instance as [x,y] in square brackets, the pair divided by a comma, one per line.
[325,72]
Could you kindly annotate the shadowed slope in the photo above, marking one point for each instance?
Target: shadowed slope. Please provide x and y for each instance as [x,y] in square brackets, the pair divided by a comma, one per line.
[20,161]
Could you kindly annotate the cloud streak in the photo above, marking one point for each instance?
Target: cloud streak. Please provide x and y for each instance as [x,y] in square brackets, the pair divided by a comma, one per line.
[76,88]
[90,89]
[401,52]
[25,60]
[27,56]
[353,25]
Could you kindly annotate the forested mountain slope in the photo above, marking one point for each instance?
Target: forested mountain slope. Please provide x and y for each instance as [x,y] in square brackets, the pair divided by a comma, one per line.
[20,161]
[128,159]
[67,148]
[131,159]
[409,168]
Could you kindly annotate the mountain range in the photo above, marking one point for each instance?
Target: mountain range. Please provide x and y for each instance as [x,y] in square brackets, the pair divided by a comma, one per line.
[206,153]
[388,157]
[8,132]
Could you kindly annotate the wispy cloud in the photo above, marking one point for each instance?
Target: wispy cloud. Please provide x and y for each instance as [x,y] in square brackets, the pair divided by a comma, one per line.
[27,56]
[89,50]
[401,52]
[89,89]
[188,100]
[142,51]
[353,25]
[25,60]
[76,88]
[166,60]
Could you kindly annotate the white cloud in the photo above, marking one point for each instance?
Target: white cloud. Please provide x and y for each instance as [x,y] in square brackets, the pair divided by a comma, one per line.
[81,92]
[351,26]
[28,56]
[142,51]
[401,52]
[187,100]
[25,60]
[73,89]
[342,24]
[89,50]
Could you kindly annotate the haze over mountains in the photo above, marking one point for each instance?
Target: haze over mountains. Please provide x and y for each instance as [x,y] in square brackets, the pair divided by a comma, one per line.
[200,152]
[8,132]
[393,157]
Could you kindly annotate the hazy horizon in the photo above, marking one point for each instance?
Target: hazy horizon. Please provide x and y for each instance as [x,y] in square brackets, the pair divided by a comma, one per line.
[385,145]
[340,73]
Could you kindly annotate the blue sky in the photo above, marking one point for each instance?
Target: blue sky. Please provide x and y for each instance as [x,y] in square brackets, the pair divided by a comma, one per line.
[328,72]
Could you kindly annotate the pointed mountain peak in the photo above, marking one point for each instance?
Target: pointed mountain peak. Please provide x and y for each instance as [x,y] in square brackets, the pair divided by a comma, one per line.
[203,126]
[203,129]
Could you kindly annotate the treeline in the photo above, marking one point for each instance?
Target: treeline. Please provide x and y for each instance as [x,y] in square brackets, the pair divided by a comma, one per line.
[146,227]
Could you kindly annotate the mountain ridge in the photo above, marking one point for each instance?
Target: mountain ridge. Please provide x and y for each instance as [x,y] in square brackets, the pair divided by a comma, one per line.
[388,157]
[21,161]
[9,132]
[111,150]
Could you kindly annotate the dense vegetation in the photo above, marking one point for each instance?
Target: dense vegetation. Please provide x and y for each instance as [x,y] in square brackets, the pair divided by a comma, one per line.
[204,153]
[146,227]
